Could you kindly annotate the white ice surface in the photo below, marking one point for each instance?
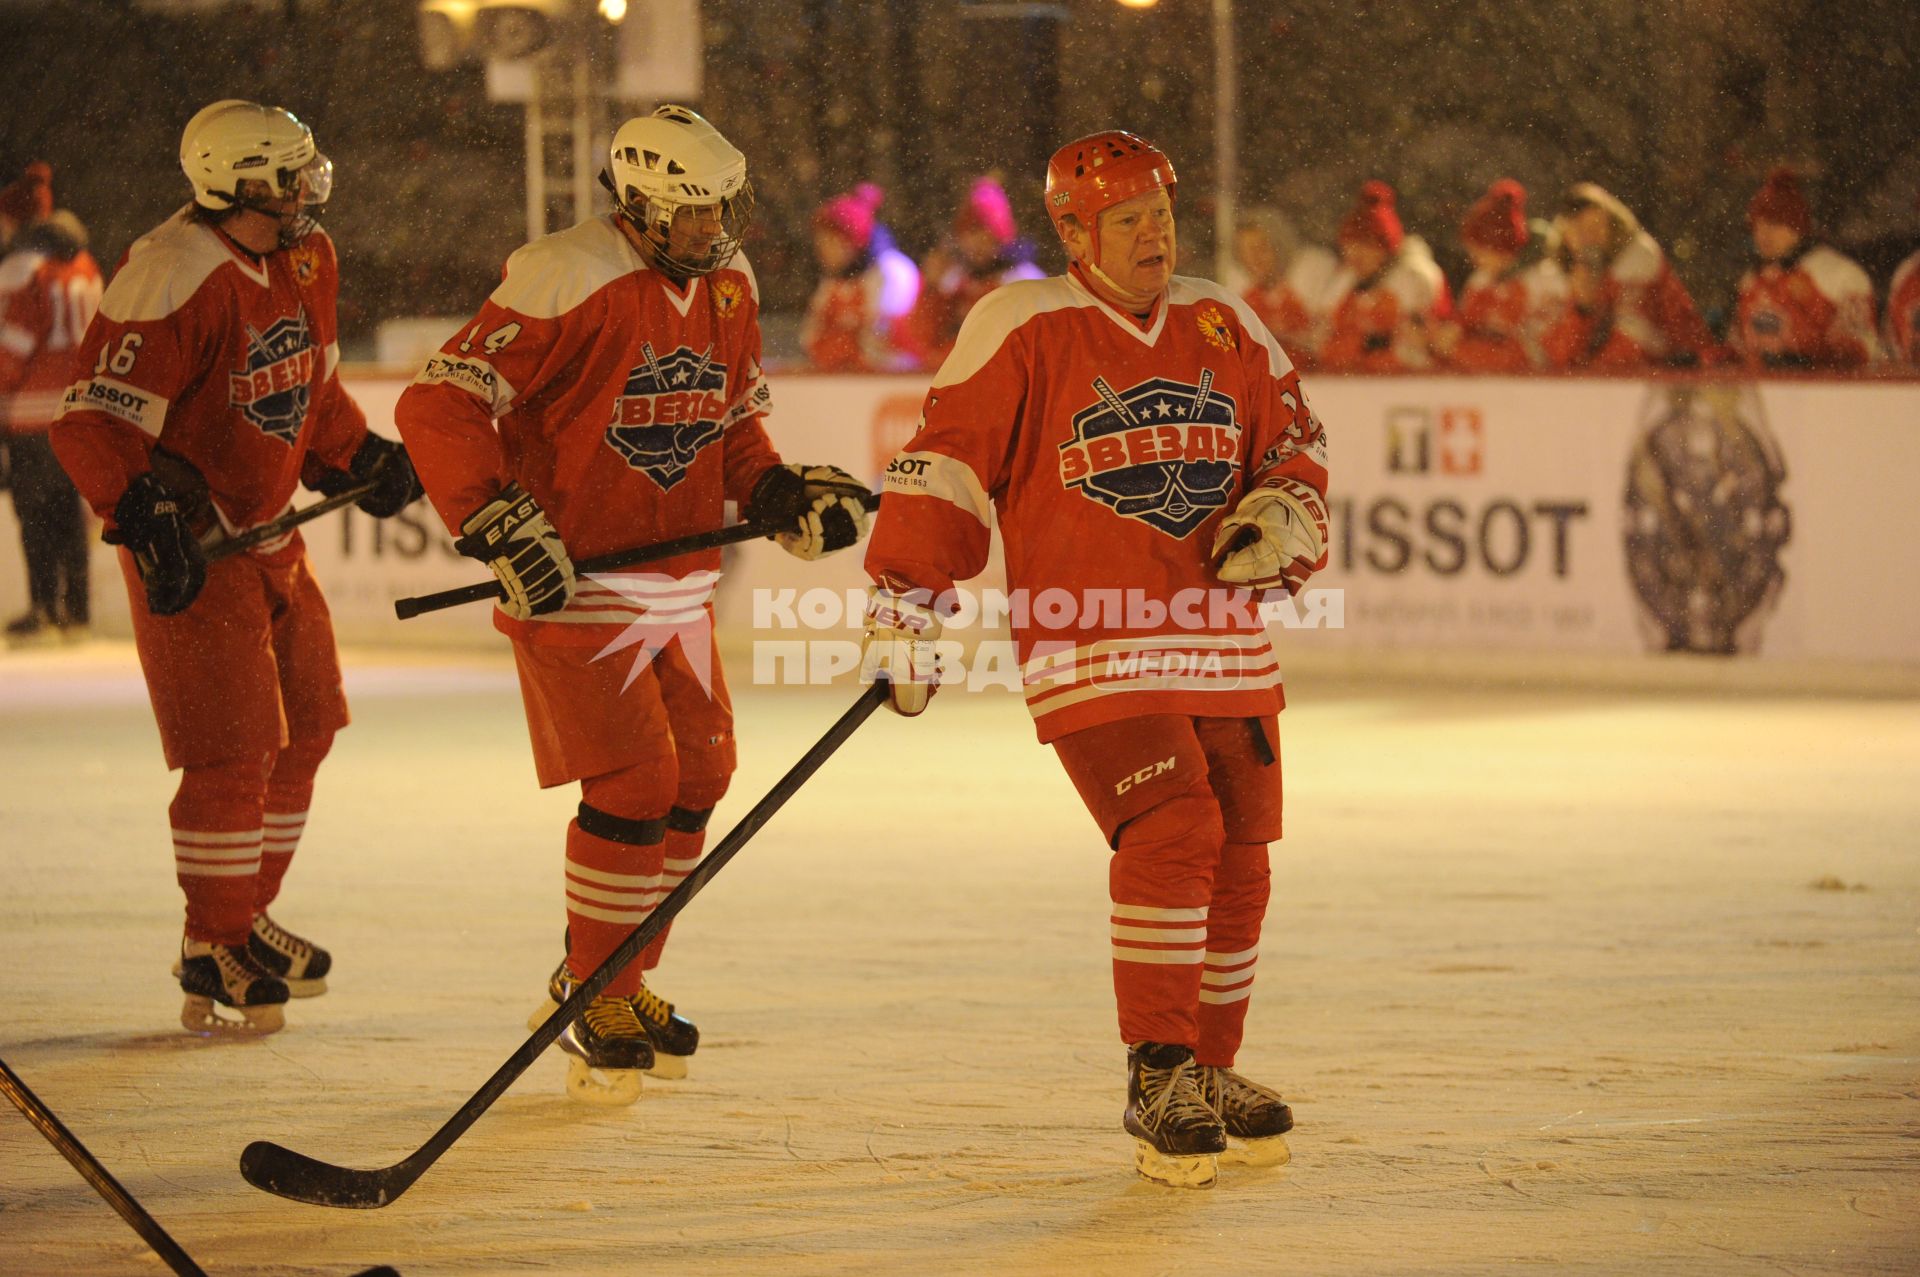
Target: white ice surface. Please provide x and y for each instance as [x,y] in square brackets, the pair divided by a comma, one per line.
[1546,978]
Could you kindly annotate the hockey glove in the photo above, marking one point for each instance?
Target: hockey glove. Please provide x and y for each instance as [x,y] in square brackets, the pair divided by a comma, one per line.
[820,509]
[899,647]
[151,521]
[512,535]
[1275,537]
[385,462]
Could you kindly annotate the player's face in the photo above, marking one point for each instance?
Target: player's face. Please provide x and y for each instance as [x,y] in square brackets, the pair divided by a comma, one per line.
[692,231]
[1772,240]
[1587,227]
[1137,249]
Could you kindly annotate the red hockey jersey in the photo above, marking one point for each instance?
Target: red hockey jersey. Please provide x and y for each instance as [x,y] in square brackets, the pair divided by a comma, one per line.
[631,410]
[1503,317]
[1816,309]
[1643,314]
[1110,452]
[1903,313]
[46,303]
[224,359]
[850,320]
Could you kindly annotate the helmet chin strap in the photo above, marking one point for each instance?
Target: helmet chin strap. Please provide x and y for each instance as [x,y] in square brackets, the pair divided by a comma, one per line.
[1139,303]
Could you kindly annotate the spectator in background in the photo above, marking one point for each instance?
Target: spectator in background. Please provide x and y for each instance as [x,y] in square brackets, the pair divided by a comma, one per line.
[1903,312]
[984,252]
[1514,294]
[1804,305]
[1628,308]
[1387,291]
[1287,282]
[49,289]
[867,286]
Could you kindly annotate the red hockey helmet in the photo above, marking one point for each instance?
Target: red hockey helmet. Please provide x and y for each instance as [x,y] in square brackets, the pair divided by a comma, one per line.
[1101,170]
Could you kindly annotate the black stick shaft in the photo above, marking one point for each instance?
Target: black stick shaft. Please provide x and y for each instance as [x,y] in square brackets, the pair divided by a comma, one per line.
[285,523]
[293,1175]
[94,1173]
[612,561]
[407,609]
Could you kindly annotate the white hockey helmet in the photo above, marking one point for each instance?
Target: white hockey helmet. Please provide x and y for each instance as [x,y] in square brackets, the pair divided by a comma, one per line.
[674,159]
[233,141]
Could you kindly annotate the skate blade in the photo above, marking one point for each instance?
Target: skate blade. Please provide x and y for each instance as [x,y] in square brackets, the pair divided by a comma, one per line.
[200,1016]
[609,1088]
[306,988]
[670,1068]
[1199,1171]
[1271,1151]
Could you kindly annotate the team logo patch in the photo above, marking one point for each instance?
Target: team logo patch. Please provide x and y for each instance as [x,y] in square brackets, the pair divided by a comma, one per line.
[1164,452]
[669,410]
[305,261]
[1213,326]
[726,296]
[274,388]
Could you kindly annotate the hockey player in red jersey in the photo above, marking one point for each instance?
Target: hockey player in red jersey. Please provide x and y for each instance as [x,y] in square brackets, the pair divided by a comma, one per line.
[49,289]
[1804,305]
[205,391]
[1151,456]
[609,395]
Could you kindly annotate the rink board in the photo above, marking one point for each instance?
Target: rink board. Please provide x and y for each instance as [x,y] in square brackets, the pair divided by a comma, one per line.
[1489,514]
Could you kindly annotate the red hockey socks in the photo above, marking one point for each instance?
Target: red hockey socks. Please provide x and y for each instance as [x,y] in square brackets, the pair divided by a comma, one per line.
[1240,889]
[613,882]
[289,794]
[216,819]
[1161,880]
[686,838]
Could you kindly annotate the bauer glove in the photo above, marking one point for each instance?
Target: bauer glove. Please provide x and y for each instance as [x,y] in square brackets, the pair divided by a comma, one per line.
[385,462]
[512,535]
[816,509]
[151,521]
[1275,537]
[899,647]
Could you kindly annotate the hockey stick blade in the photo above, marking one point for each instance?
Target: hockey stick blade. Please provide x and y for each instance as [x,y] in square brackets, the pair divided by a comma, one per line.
[277,1169]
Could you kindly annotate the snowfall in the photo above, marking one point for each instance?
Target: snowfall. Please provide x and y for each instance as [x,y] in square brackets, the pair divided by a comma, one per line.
[1556,979]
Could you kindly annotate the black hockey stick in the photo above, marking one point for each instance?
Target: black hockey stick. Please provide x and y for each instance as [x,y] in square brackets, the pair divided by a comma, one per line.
[95,1174]
[612,561]
[277,1169]
[286,523]
[105,1184]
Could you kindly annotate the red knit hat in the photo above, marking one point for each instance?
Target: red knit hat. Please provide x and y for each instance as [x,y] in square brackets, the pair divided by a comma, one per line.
[1498,219]
[851,216]
[987,209]
[31,198]
[1779,201]
[1372,220]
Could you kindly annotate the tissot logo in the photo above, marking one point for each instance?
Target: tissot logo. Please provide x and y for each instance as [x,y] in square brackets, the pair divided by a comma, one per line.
[1164,452]
[274,388]
[671,407]
[1436,441]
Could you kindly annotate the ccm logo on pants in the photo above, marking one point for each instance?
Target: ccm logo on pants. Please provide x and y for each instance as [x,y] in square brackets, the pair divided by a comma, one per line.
[1144,775]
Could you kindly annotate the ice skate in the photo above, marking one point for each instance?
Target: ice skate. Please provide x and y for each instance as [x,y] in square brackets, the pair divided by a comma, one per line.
[1177,1137]
[672,1036]
[34,629]
[610,1051]
[227,975]
[1255,1118]
[301,963]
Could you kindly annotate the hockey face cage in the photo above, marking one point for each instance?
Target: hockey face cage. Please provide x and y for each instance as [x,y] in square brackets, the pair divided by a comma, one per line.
[652,216]
[1086,177]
